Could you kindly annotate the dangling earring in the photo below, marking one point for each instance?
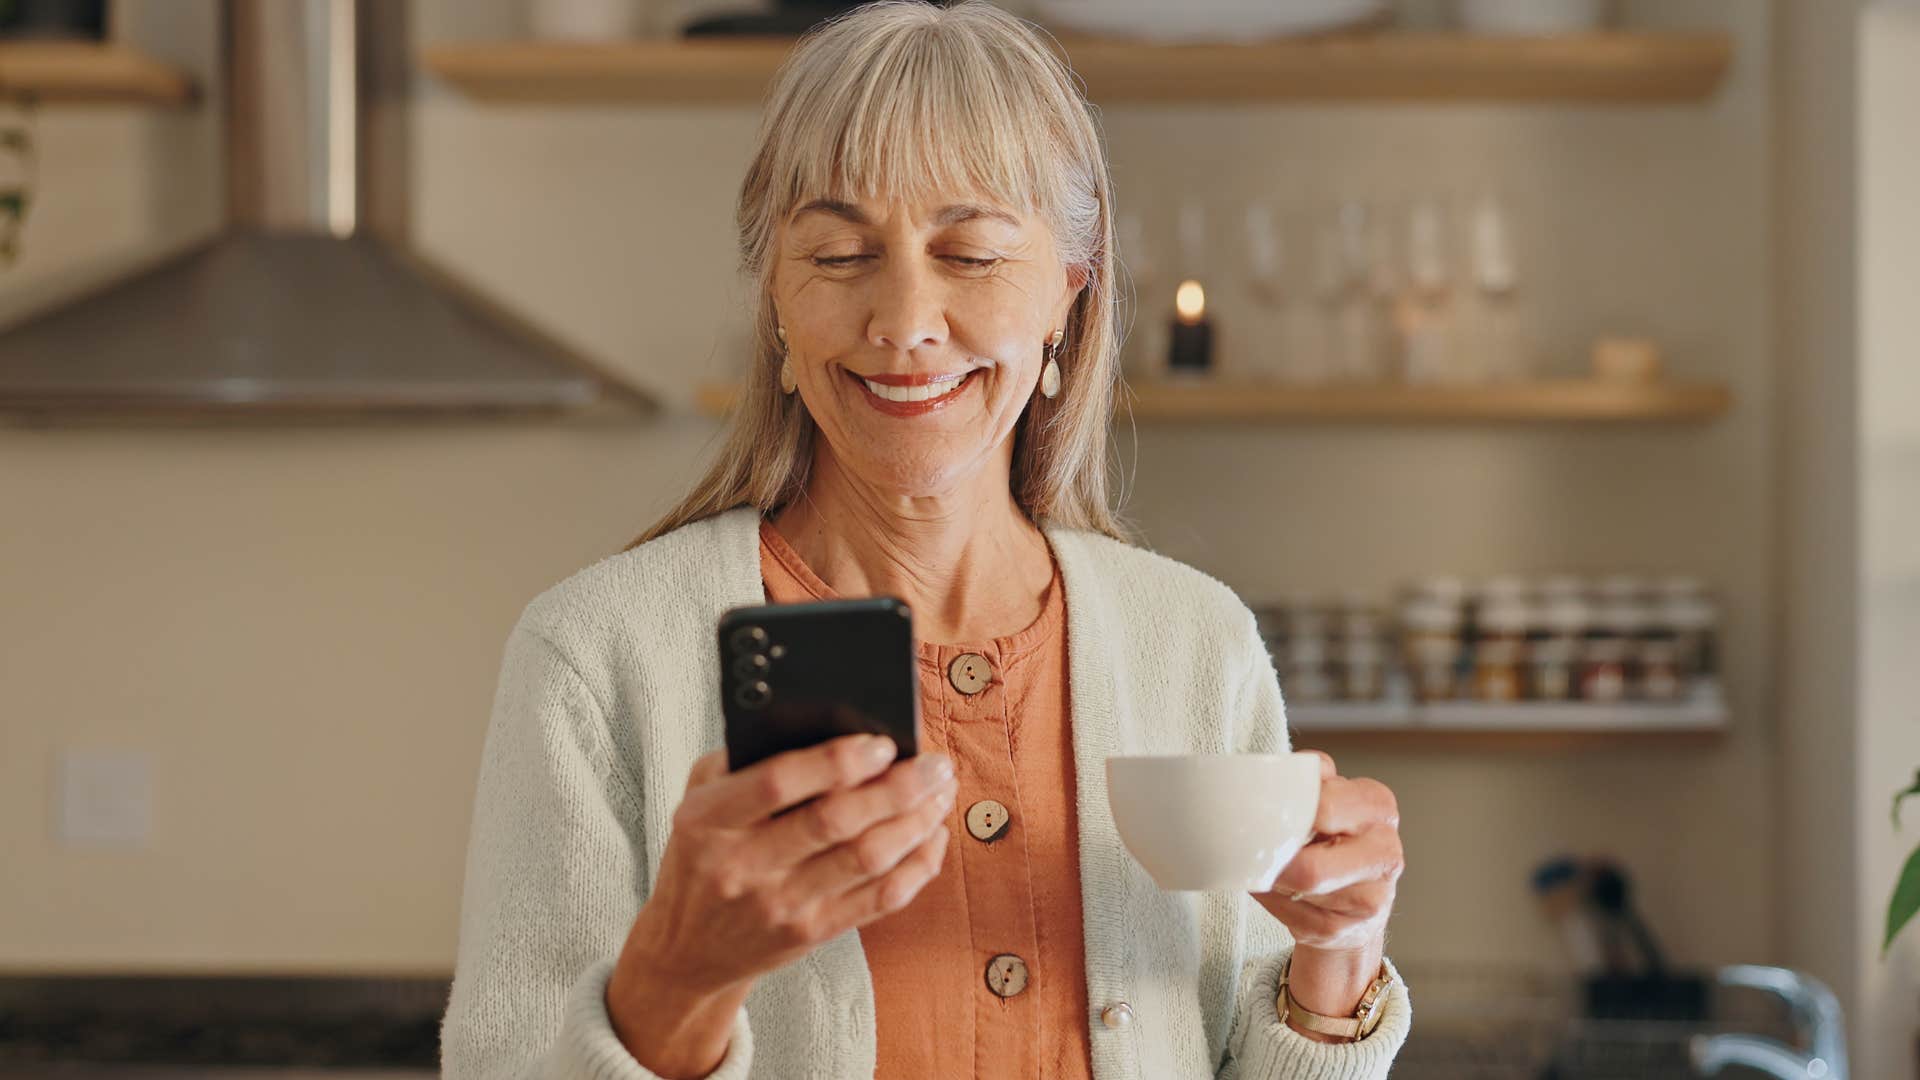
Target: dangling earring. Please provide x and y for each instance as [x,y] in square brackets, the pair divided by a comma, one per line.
[1050,375]
[787,381]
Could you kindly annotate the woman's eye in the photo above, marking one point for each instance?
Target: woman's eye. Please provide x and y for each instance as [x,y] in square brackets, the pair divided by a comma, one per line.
[838,261]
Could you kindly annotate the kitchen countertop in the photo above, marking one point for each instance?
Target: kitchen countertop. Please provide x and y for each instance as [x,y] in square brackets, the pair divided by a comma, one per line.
[230,1027]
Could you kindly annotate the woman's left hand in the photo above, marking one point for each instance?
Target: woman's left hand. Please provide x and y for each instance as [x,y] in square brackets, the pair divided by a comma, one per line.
[1347,874]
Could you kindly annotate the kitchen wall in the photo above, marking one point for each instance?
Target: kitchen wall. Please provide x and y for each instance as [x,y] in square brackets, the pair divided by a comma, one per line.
[302,626]
[1889,580]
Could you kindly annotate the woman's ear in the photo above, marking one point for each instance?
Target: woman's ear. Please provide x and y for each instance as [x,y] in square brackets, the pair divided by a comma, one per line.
[1077,278]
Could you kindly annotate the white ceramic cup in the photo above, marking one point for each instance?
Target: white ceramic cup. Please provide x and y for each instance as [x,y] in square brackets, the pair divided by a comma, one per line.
[1207,822]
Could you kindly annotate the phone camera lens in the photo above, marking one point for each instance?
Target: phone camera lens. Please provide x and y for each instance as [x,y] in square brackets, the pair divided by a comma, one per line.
[751,665]
[754,695]
[749,638]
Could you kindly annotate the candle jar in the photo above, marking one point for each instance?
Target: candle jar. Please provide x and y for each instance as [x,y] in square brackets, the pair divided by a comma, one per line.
[1191,349]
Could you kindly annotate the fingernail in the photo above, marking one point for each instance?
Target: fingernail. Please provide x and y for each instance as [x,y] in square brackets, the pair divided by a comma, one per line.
[937,767]
[880,749]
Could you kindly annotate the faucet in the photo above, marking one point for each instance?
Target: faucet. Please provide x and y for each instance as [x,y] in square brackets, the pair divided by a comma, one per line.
[1815,1011]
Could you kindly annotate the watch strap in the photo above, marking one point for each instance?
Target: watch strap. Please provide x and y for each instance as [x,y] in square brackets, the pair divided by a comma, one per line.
[1365,1018]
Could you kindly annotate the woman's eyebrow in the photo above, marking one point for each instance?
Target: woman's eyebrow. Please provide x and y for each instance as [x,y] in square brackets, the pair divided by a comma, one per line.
[946,215]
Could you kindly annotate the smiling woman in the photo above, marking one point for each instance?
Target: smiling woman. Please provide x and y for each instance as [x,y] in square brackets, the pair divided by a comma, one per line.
[932,175]
[927,221]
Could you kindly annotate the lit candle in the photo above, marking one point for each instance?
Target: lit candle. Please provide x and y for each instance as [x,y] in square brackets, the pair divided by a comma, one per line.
[1192,350]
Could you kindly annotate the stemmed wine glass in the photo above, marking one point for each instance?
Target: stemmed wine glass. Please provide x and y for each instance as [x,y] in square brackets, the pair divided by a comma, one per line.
[1496,279]
[1268,272]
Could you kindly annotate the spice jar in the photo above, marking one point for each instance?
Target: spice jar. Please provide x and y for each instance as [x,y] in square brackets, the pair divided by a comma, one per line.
[1362,670]
[1553,651]
[1497,652]
[1306,678]
[1659,666]
[1694,624]
[1307,619]
[1605,654]
[1358,618]
[1431,640]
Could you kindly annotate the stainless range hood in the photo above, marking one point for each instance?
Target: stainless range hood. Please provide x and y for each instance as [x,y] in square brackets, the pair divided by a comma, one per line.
[309,302]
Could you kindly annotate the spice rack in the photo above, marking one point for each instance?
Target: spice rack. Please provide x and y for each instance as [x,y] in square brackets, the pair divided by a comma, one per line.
[1559,659]
[1520,726]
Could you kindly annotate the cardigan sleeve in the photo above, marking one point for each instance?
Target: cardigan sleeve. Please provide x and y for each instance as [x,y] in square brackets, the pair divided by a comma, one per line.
[1262,1046]
[552,885]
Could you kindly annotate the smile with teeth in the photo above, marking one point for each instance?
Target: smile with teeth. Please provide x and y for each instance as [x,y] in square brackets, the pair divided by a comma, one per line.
[934,388]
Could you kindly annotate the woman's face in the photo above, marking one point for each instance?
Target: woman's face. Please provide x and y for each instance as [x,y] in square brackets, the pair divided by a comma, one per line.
[954,299]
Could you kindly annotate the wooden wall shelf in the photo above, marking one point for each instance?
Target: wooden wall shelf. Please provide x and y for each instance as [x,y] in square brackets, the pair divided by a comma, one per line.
[1213,400]
[1604,68]
[1522,726]
[1439,741]
[1533,401]
[67,72]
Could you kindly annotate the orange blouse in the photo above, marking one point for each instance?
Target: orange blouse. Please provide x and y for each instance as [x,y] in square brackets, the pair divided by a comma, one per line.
[984,973]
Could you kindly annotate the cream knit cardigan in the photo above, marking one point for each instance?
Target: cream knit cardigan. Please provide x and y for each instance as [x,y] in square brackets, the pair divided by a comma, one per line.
[608,693]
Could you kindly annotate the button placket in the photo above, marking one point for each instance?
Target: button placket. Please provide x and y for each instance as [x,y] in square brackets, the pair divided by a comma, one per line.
[994,863]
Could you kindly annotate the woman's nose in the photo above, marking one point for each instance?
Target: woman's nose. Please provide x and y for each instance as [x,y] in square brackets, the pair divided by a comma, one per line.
[909,309]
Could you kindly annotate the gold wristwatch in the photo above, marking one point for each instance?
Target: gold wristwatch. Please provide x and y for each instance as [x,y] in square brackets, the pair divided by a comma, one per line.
[1352,1028]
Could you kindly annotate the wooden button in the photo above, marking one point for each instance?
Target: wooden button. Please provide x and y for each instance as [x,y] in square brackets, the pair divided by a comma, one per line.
[969,673]
[1118,1015]
[1006,975]
[987,820]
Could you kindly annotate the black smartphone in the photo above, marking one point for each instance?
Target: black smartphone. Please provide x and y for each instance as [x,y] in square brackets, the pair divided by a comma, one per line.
[795,675]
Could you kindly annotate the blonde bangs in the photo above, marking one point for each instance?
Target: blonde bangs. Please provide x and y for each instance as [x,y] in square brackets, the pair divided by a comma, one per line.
[906,122]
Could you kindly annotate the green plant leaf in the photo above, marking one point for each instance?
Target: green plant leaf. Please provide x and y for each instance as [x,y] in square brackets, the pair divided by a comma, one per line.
[1906,900]
[1900,798]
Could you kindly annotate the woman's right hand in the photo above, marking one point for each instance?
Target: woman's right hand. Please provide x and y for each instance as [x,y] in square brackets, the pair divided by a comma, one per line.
[741,892]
